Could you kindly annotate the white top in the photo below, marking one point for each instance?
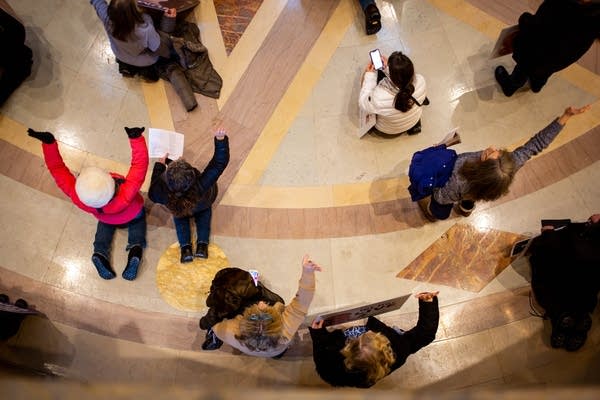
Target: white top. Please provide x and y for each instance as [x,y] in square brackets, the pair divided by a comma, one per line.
[379,99]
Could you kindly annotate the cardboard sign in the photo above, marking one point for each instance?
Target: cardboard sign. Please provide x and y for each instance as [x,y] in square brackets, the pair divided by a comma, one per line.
[504,44]
[360,312]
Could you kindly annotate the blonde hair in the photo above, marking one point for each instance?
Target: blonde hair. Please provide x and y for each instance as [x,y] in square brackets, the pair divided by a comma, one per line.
[489,179]
[370,353]
[261,329]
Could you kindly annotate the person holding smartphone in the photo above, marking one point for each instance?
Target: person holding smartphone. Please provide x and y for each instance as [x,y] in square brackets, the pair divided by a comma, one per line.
[394,92]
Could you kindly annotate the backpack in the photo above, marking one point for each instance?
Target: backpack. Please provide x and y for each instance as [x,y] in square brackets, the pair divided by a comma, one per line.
[430,168]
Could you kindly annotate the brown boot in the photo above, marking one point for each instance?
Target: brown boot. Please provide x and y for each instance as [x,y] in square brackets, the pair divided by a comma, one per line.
[424,206]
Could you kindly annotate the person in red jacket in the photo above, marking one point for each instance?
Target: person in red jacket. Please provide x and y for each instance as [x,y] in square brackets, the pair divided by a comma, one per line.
[115,200]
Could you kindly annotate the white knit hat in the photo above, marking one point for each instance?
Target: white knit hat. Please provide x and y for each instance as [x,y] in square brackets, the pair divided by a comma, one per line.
[95,187]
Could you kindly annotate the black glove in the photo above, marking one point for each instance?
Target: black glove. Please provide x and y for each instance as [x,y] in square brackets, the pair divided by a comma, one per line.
[134,132]
[45,137]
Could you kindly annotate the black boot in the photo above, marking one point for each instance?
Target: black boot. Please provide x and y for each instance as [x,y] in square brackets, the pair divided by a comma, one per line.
[201,250]
[212,342]
[372,19]
[186,254]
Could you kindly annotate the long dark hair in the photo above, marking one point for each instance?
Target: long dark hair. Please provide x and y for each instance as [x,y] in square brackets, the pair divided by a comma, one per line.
[402,73]
[489,179]
[124,15]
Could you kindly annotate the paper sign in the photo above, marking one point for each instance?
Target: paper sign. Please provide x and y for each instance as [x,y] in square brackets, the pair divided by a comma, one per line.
[504,44]
[255,275]
[162,142]
[360,312]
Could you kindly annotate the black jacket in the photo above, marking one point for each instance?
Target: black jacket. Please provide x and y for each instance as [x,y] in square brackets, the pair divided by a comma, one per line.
[556,36]
[205,180]
[327,345]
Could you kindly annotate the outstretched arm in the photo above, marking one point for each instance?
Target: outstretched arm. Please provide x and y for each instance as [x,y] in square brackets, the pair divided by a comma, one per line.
[543,138]
[219,161]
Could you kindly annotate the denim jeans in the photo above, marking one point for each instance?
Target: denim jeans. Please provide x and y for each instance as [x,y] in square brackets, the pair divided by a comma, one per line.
[202,219]
[365,3]
[136,231]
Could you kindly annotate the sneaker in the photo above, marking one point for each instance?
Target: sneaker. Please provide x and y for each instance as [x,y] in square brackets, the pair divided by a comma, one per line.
[212,342]
[134,258]
[186,254]
[201,250]
[415,130]
[103,266]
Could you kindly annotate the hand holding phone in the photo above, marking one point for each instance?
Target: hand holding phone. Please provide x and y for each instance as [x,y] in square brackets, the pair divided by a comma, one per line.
[376,59]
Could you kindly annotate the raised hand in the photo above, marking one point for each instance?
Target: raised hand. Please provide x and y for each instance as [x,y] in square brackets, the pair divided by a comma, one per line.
[571,111]
[317,323]
[45,137]
[134,132]
[309,265]
[427,296]
[220,133]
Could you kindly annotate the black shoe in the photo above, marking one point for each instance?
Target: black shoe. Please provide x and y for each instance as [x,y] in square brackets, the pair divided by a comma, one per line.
[415,129]
[21,304]
[134,258]
[4,299]
[186,254]
[558,339]
[201,250]
[149,74]
[575,341]
[536,85]
[103,266]
[212,342]
[372,19]
[503,79]
[126,71]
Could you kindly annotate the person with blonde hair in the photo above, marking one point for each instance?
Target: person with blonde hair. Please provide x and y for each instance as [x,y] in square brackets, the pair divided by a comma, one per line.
[481,175]
[263,330]
[362,355]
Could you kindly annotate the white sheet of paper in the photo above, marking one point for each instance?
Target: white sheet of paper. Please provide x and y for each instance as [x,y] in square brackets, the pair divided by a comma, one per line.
[366,122]
[162,142]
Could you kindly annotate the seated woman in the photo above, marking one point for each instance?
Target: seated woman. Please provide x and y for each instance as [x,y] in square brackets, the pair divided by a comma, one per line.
[264,330]
[361,356]
[565,278]
[395,94]
[132,36]
[487,174]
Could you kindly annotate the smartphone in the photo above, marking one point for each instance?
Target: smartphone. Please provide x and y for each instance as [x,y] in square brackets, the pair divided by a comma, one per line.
[376,59]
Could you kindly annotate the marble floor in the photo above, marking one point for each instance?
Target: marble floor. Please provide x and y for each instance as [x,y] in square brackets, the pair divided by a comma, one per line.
[300,181]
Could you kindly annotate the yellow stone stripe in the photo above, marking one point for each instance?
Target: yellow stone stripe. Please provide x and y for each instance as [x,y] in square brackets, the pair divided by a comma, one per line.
[299,90]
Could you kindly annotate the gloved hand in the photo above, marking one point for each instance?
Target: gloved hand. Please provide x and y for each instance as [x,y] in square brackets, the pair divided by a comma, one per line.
[134,132]
[45,137]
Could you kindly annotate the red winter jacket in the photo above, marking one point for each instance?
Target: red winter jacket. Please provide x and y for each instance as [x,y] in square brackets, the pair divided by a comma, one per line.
[127,202]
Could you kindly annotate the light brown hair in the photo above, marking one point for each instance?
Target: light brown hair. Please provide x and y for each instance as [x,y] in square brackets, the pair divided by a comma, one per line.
[489,179]
[370,353]
[261,330]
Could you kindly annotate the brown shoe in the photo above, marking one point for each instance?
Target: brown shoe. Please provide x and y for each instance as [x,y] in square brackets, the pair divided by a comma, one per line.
[465,207]
[424,206]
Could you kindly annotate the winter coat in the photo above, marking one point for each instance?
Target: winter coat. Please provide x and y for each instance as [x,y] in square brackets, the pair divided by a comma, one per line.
[379,98]
[556,36]
[329,361]
[205,180]
[193,61]
[127,201]
[565,269]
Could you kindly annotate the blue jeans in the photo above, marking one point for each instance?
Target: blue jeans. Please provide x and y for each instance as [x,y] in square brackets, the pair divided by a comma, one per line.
[136,231]
[182,227]
[365,3]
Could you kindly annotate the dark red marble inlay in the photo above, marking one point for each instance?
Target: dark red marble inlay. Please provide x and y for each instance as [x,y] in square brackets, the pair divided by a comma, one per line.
[234,17]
